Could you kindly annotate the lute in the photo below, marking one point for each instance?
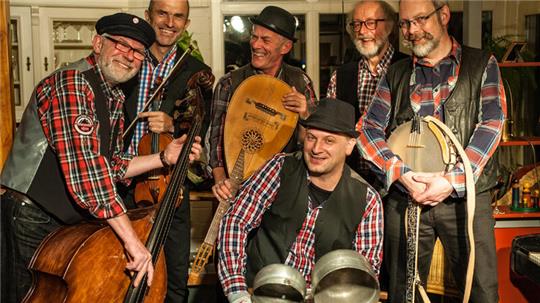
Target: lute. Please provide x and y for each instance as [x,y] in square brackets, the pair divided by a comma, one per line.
[257,126]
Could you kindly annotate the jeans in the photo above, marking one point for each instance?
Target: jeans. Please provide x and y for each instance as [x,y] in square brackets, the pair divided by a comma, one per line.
[24,226]
[447,220]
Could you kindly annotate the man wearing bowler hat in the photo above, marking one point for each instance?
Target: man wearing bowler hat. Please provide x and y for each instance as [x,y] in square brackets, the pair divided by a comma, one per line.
[300,206]
[272,37]
[67,154]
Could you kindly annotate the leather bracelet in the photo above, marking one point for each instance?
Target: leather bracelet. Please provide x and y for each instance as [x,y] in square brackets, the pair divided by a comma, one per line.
[162,158]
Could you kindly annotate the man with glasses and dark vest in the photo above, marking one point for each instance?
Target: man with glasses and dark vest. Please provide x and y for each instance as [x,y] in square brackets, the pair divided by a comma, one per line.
[272,37]
[370,25]
[462,87]
[67,154]
[300,206]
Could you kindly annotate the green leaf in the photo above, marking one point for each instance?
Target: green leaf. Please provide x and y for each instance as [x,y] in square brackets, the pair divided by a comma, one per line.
[184,42]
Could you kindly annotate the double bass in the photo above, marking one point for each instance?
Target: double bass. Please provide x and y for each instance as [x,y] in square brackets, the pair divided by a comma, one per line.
[86,262]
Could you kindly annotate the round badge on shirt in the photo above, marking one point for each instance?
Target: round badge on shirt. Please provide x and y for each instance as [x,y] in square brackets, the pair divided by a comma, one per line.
[84,125]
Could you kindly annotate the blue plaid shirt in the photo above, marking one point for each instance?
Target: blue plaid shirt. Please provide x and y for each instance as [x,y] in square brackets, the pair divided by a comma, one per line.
[147,84]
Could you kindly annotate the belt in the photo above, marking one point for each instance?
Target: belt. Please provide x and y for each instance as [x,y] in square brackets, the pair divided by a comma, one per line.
[17,196]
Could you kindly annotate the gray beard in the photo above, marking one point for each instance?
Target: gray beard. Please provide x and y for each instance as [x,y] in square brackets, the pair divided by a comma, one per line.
[114,77]
[422,50]
[368,52]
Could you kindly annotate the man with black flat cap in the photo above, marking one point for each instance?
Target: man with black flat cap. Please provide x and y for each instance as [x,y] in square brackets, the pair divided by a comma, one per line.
[286,206]
[67,154]
[272,37]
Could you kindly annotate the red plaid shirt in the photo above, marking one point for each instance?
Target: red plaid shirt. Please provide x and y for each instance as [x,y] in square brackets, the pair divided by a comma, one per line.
[255,197]
[90,177]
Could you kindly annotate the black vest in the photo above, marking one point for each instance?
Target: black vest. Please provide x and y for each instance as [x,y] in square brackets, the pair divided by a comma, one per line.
[460,109]
[174,90]
[347,82]
[290,75]
[336,223]
[32,167]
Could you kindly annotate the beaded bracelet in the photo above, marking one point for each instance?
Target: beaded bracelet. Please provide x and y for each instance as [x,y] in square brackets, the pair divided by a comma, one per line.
[162,158]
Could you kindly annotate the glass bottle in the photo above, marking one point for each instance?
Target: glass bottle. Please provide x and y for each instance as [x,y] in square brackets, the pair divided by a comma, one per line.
[526,195]
[515,193]
[535,197]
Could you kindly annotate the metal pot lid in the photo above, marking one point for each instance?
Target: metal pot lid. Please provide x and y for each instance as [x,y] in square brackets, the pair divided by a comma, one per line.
[279,283]
[344,276]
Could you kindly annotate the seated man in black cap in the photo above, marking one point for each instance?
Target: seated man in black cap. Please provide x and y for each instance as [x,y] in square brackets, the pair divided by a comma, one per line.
[279,212]
[272,37]
[67,154]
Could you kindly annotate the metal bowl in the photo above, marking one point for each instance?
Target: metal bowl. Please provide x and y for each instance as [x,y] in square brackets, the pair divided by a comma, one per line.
[278,283]
[344,276]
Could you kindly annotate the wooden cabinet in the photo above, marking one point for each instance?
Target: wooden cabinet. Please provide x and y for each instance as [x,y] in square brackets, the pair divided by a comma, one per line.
[65,35]
[45,38]
[22,61]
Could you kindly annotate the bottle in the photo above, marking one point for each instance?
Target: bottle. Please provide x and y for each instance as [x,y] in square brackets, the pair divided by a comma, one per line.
[515,193]
[535,197]
[526,195]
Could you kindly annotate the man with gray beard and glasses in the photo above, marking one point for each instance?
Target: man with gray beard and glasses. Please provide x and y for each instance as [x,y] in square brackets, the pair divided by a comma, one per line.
[67,156]
[462,87]
[370,25]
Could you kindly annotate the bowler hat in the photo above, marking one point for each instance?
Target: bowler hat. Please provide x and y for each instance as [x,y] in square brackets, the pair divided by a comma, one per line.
[277,20]
[333,115]
[127,25]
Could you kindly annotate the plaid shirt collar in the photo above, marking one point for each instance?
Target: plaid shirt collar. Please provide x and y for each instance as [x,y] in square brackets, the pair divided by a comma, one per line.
[167,59]
[382,66]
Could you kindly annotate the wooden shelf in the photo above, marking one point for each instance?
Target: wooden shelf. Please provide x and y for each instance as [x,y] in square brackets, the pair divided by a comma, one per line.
[519,64]
[506,213]
[521,141]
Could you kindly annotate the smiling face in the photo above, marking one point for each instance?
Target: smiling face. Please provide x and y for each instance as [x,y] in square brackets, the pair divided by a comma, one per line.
[117,66]
[325,152]
[169,18]
[423,39]
[370,42]
[268,49]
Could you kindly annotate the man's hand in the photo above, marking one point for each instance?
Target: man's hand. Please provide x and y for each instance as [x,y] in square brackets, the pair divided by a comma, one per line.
[174,148]
[158,122]
[296,102]
[139,258]
[437,188]
[415,188]
[224,190]
[140,261]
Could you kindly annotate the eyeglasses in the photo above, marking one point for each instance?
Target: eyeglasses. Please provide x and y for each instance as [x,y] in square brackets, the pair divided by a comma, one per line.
[417,21]
[125,48]
[371,24]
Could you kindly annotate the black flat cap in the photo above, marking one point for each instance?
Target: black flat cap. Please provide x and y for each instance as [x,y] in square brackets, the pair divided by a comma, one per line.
[333,115]
[277,20]
[127,25]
